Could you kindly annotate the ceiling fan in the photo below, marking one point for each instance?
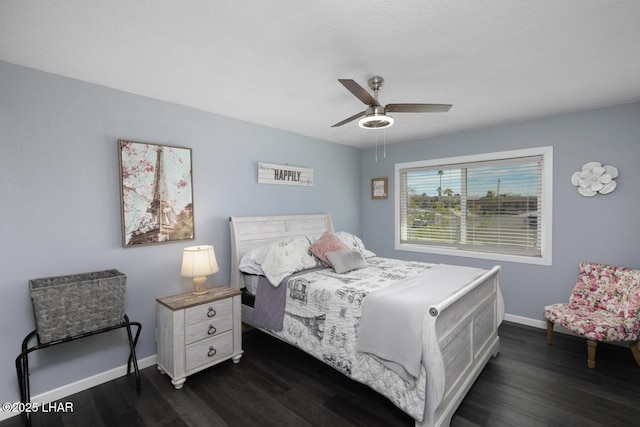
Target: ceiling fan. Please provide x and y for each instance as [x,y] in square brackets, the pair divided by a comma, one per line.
[375,116]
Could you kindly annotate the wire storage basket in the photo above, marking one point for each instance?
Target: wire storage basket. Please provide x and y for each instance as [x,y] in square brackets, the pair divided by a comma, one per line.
[67,306]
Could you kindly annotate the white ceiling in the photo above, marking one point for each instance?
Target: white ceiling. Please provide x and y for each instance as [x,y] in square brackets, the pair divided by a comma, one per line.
[277,62]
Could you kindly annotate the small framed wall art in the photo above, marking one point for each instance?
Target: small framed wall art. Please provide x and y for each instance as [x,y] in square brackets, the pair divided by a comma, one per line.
[379,188]
[156,193]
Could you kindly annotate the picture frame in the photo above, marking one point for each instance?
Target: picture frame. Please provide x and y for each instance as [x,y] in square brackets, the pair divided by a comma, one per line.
[379,188]
[156,193]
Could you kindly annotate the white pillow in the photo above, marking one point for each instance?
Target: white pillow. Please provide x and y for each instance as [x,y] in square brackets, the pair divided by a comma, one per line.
[354,242]
[287,257]
[250,262]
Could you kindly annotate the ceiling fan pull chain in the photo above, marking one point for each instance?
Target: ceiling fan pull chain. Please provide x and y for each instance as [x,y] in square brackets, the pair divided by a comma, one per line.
[384,149]
[376,147]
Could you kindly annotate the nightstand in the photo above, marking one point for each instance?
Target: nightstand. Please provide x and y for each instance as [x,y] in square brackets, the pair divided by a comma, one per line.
[198,331]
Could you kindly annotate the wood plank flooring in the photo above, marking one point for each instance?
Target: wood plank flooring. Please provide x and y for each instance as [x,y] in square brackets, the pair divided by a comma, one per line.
[528,384]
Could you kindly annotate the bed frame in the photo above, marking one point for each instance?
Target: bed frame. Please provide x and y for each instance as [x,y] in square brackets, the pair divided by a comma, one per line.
[459,336]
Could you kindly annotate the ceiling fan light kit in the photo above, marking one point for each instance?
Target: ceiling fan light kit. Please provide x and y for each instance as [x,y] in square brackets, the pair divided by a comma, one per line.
[375,116]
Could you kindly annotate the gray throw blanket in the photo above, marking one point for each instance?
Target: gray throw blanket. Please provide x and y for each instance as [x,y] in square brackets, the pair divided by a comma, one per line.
[392,317]
[268,310]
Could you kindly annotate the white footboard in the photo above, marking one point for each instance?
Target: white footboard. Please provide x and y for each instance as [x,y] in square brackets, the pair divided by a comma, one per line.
[459,336]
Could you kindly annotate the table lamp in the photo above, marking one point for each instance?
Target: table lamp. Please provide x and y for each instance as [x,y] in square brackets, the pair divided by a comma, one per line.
[199,262]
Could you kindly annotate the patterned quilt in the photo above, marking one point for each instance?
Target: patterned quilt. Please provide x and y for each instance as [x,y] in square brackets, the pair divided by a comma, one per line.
[322,317]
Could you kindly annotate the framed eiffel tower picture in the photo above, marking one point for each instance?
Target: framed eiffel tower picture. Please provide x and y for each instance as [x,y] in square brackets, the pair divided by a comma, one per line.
[156,193]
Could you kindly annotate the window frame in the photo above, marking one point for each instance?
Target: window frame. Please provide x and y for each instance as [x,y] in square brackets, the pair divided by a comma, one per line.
[545,257]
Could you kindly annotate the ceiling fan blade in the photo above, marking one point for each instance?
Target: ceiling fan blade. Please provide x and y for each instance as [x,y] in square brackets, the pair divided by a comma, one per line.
[359,92]
[355,116]
[418,108]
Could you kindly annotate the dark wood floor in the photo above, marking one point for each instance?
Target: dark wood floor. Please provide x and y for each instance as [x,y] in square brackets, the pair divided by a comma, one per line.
[528,384]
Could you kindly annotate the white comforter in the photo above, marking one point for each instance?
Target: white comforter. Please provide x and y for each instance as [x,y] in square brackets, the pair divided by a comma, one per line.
[323,312]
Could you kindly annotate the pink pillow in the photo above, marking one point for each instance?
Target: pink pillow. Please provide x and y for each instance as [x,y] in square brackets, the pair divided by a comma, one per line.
[328,242]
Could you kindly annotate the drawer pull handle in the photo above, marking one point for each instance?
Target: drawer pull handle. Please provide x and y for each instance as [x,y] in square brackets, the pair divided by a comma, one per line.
[212,330]
[211,312]
[212,352]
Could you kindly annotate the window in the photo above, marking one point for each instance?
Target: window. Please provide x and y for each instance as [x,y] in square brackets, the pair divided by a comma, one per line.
[494,206]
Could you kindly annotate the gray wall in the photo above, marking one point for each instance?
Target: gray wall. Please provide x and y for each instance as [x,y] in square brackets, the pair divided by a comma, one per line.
[598,229]
[60,210]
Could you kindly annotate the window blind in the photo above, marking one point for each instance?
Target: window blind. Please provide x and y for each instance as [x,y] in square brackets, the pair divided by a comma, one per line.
[487,206]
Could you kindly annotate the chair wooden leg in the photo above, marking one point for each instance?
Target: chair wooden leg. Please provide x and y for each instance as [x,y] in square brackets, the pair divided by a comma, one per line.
[636,351]
[591,348]
[549,332]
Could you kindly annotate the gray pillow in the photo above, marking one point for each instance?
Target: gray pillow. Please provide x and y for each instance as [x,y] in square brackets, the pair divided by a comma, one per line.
[346,260]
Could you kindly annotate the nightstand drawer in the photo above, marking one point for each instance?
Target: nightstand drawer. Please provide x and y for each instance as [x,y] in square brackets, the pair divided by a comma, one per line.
[207,311]
[207,351]
[203,330]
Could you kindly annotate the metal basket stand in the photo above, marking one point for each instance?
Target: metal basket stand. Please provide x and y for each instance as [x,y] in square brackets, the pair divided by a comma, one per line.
[22,361]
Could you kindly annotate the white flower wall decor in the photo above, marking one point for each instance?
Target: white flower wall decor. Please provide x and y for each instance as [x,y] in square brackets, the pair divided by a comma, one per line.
[594,178]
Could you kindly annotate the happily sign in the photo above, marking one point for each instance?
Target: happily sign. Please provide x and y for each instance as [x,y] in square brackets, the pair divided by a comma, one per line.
[284,175]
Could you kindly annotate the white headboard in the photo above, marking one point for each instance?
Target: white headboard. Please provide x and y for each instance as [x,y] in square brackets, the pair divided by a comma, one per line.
[250,232]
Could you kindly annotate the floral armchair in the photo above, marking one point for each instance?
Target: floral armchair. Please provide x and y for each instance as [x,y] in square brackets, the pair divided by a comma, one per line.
[604,306]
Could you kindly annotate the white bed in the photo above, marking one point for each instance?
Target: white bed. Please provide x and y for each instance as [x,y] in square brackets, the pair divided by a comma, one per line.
[458,336]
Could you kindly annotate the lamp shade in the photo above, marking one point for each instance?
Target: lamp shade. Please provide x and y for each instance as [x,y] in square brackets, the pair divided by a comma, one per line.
[199,261]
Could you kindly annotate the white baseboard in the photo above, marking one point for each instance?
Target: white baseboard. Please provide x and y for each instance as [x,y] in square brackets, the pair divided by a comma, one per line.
[542,324]
[83,384]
